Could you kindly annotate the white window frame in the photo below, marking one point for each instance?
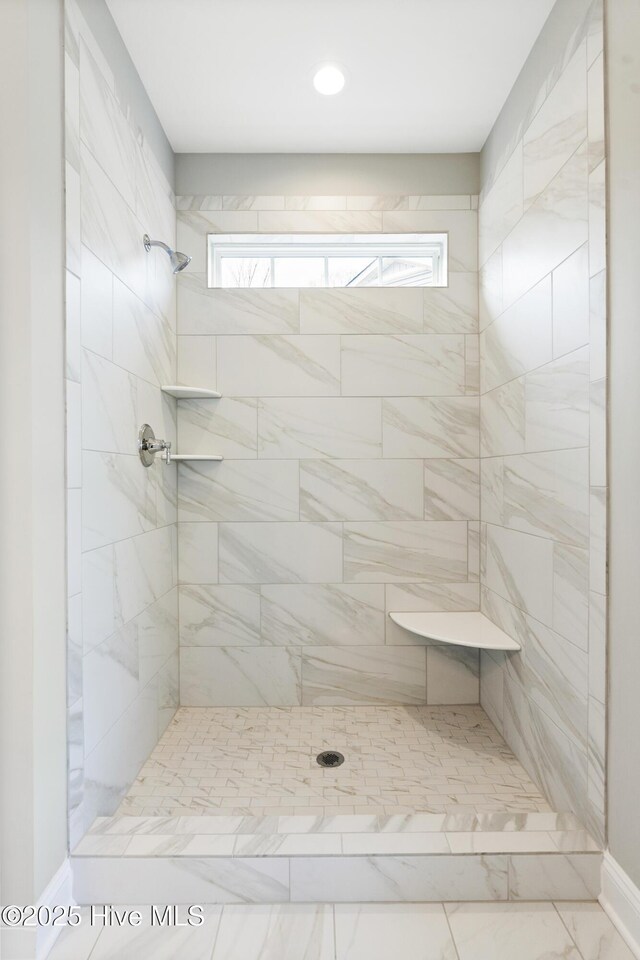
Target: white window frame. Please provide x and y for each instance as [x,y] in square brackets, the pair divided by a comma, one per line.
[273,246]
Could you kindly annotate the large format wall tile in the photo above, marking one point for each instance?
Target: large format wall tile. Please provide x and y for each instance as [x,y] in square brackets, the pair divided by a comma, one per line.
[221,615]
[404,551]
[551,229]
[326,614]
[212,310]
[519,567]
[117,501]
[548,494]
[105,129]
[452,489]
[404,365]
[361,490]
[520,339]
[280,552]
[239,490]
[227,427]
[454,308]
[239,677]
[123,612]
[399,878]
[143,343]
[544,334]
[332,675]
[272,366]
[319,427]
[558,129]
[502,207]
[430,427]
[373,310]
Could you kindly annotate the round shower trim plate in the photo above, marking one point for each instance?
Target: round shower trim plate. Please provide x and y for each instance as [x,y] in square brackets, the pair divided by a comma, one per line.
[330,758]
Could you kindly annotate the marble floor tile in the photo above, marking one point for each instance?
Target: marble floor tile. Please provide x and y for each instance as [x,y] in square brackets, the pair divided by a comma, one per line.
[593,932]
[281,932]
[162,943]
[503,931]
[365,931]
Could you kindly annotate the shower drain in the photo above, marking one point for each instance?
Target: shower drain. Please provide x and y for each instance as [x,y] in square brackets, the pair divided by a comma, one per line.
[330,758]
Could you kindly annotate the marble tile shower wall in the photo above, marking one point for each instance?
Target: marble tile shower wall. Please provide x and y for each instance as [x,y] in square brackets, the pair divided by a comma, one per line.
[122,553]
[543,408]
[349,424]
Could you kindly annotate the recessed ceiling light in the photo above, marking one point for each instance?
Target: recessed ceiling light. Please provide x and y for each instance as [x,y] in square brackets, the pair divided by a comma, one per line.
[329,79]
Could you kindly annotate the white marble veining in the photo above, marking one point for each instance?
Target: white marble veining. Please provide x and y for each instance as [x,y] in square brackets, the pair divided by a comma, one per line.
[123,613]
[213,310]
[405,551]
[373,310]
[307,427]
[363,675]
[322,614]
[220,615]
[280,552]
[285,931]
[239,676]
[502,931]
[227,427]
[198,552]
[105,128]
[593,932]
[451,489]
[393,879]
[520,339]
[272,366]
[430,427]
[571,303]
[361,490]
[364,932]
[403,365]
[239,490]
[552,228]
[558,129]
[454,308]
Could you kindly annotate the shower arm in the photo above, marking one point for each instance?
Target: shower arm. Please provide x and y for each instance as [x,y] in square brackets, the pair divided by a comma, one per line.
[148,243]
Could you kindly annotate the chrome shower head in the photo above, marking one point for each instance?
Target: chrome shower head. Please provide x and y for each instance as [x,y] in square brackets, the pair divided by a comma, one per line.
[178,260]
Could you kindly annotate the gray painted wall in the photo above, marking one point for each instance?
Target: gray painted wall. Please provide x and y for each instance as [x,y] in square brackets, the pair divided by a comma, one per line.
[32,600]
[128,82]
[327,174]
[623,76]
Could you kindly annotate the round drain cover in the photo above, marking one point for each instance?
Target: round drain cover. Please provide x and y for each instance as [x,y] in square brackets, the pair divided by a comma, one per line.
[330,758]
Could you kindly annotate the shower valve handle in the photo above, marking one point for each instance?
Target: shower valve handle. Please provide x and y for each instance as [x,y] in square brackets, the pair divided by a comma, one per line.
[148,446]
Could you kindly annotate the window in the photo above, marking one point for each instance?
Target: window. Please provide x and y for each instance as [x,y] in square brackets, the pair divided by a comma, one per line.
[328,260]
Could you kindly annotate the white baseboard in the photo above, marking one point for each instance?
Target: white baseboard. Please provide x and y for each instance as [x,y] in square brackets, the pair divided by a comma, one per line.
[59,891]
[620,899]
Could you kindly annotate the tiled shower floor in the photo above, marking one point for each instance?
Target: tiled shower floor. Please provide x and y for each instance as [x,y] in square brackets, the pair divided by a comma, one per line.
[399,760]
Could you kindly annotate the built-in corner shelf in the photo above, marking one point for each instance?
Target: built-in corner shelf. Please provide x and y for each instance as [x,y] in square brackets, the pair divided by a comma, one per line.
[471,629]
[181,457]
[190,393]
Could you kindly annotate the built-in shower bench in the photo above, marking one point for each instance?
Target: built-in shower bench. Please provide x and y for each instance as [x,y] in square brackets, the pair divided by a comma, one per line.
[468,629]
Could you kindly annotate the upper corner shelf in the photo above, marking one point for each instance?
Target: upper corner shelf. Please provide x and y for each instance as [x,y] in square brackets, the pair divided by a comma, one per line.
[471,629]
[190,393]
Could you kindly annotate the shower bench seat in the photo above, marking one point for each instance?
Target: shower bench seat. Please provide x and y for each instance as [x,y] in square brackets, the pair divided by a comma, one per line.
[470,629]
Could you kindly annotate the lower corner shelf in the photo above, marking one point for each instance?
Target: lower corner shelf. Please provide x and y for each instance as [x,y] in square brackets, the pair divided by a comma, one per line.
[470,629]
[182,457]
